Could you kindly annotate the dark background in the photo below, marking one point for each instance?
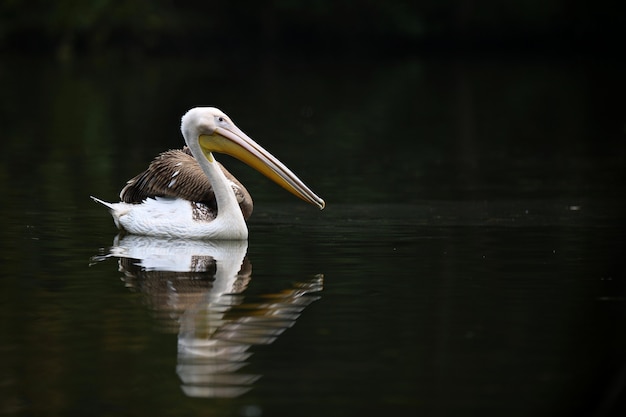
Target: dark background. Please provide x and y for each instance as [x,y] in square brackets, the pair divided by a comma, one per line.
[365,27]
[471,154]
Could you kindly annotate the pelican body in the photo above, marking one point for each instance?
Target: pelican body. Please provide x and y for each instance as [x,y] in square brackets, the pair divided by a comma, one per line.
[188,194]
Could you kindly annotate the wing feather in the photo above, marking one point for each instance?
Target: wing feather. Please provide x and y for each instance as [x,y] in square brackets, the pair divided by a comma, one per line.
[176,173]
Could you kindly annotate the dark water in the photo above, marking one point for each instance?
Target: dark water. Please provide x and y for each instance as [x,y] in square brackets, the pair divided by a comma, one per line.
[469,260]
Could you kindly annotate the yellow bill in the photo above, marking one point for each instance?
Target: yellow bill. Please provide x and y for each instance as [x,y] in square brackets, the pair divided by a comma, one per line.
[237,144]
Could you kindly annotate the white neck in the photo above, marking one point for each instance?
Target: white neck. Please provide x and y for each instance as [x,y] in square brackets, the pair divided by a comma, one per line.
[229,216]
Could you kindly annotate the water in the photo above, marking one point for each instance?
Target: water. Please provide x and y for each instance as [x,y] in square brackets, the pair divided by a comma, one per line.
[468,261]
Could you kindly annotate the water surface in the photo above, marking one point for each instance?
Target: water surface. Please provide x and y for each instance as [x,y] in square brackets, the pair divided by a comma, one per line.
[468,261]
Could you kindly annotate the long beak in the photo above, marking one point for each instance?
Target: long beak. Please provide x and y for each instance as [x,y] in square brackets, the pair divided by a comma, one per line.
[235,143]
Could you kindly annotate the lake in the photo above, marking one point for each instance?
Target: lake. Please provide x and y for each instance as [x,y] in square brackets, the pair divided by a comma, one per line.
[469,260]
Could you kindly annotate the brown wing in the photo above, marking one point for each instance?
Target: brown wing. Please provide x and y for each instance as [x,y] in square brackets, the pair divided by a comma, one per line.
[176,173]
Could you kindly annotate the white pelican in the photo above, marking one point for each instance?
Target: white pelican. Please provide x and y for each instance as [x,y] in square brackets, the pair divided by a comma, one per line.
[188,194]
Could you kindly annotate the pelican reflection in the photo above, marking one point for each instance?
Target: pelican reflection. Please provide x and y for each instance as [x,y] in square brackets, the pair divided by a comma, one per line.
[196,288]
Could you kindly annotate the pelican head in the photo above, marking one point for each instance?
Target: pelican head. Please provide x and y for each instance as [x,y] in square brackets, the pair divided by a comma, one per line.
[210,130]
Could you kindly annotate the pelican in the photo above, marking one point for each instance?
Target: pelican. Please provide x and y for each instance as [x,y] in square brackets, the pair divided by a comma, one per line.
[188,194]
